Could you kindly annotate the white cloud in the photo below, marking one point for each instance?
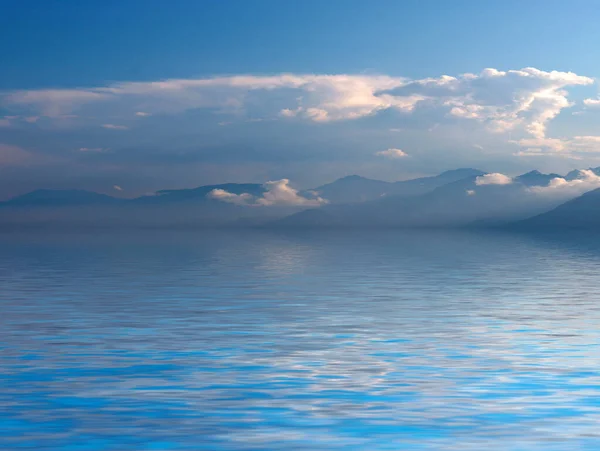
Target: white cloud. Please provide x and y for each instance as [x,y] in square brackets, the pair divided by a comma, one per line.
[565,147]
[225,196]
[114,127]
[392,153]
[521,102]
[592,102]
[278,193]
[55,102]
[470,192]
[502,100]
[493,179]
[586,181]
[117,188]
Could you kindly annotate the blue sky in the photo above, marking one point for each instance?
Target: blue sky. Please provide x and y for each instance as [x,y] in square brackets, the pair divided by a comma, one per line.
[310,91]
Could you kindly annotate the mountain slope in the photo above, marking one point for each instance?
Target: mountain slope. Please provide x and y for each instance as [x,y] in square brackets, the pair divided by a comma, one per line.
[60,198]
[354,188]
[582,212]
[456,204]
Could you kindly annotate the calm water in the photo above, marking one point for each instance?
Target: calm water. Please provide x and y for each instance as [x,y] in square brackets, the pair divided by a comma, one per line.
[373,340]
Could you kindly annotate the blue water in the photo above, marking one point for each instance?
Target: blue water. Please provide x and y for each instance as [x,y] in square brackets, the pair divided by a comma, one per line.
[321,340]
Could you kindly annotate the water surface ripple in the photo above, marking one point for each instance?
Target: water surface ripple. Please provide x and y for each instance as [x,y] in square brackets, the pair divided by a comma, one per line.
[321,340]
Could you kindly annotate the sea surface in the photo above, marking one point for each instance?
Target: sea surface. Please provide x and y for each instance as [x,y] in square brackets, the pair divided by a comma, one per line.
[308,340]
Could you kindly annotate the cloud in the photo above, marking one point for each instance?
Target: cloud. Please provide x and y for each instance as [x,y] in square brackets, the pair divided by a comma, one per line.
[501,100]
[225,196]
[117,188]
[585,181]
[492,106]
[55,102]
[493,179]
[592,102]
[392,153]
[566,147]
[278,193]
[470,192]
[114,127]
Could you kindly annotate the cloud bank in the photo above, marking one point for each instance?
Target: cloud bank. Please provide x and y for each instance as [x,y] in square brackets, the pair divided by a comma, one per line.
[522,101]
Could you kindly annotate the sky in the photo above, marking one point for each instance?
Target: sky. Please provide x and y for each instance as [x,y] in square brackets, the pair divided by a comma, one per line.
[146,95]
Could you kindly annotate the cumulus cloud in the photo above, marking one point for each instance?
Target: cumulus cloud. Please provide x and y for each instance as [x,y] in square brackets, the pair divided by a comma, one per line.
[493,179]
[231,198]
[392,153]
[501,100]
[585,181]
[114,127]
[519,103]
[280,193]
[277,193]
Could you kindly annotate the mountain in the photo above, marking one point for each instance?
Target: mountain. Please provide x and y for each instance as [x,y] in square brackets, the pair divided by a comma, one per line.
[59,198]
[576,173]
[536,178]
[452,199]
[583,212]
[456,204]
[199,194]
[354,188]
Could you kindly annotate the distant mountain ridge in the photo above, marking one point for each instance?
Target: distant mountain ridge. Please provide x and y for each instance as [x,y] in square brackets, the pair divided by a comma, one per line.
[456,198]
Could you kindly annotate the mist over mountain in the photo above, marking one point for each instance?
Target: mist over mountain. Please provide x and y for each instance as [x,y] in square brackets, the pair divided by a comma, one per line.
[580,213]
[463,197]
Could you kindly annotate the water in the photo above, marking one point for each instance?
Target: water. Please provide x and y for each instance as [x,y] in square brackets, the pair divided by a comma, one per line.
[371,340]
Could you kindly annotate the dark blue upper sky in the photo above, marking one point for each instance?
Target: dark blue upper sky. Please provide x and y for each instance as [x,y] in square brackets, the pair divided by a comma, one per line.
[307,130]
[85,43]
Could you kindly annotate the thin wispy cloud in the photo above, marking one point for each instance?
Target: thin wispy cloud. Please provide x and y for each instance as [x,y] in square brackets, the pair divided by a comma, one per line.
[114,127]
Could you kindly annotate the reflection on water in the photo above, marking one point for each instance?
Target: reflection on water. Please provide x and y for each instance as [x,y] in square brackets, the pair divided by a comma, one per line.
[299,341]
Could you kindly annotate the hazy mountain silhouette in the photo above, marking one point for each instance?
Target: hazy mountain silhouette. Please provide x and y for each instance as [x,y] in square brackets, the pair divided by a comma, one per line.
[354,188]
[536,178]
[59,198]
[456,204]
[451,199]
[199,194]
[583,212]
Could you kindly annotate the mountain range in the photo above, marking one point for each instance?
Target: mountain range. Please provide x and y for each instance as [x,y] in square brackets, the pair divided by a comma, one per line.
[463,197]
